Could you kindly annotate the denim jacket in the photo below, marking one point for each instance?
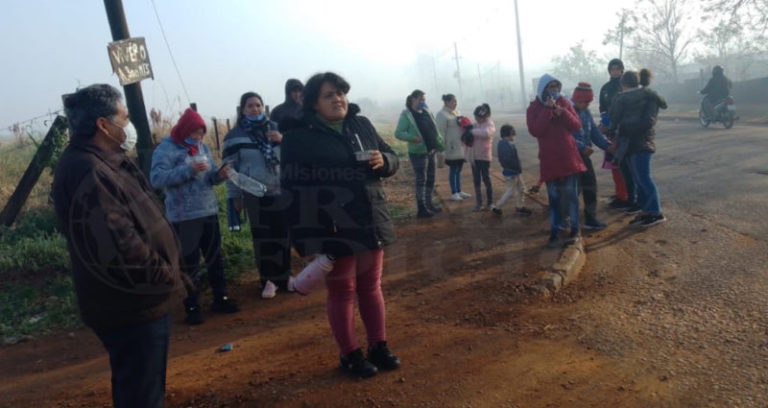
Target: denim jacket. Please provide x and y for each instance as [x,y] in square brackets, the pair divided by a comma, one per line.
[188,196]
[589,133]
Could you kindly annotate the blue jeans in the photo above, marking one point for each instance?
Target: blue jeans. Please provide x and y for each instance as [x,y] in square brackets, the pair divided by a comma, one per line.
[647,194]
[138,357]
[454,176]
[563,200]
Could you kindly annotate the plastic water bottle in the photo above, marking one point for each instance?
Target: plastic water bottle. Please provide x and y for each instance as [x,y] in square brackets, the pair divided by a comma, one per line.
[246,183]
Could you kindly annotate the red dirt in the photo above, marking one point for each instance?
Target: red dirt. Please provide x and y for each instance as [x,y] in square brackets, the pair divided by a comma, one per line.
[459,317]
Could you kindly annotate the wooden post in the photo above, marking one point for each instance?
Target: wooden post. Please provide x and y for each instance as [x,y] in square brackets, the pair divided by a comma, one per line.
[134,98]
[32,174]
[216,132]
[193,105]
[228,128]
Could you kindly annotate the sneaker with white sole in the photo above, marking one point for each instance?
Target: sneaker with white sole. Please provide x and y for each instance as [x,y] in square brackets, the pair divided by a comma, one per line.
[456,197]
[270,290]
[652,220]
[639,218]
[465,195]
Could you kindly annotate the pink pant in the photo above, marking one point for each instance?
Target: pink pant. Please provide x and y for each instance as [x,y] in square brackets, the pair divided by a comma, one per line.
[356,274]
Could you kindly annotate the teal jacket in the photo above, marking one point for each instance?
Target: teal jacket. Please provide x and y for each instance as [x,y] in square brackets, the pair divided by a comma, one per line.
[408,130]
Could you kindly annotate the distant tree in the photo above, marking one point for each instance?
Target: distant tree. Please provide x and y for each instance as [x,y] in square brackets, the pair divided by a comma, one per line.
[753,12]
[621,33]
[579,64]
[731,45]
[661,40]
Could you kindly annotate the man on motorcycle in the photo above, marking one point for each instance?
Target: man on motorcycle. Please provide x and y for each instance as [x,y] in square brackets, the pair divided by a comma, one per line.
[718,88]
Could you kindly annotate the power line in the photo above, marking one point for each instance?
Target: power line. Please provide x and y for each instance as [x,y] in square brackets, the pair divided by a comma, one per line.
[30,120]
[173,60]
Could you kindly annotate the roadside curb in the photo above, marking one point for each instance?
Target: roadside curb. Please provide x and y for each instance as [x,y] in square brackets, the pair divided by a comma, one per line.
[567,268]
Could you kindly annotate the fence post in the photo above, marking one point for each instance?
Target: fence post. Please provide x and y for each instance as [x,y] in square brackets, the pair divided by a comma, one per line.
[32,174]
[228,128]
[216,132]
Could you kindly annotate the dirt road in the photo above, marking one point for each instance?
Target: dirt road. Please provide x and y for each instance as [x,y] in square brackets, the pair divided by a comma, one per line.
[670,317]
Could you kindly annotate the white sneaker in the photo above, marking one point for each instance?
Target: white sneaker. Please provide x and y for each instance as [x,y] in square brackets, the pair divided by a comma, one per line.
[456,197]
[465,195]
[291,285]
[270,290]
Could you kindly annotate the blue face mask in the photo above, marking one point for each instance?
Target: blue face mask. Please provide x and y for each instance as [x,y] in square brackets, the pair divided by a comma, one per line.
[555,95]
[255,118]
[423,105]
[192,142]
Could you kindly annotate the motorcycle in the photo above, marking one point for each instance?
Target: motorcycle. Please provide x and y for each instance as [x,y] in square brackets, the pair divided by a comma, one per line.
[724,112]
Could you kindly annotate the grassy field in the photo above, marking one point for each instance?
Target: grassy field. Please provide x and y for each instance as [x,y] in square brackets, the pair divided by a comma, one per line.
[36,292]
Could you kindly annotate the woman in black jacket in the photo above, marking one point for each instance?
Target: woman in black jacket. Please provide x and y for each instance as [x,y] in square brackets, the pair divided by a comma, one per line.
[332,164]
[633,117]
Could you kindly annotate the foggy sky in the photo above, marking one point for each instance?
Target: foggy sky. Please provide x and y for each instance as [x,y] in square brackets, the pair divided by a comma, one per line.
[225,48]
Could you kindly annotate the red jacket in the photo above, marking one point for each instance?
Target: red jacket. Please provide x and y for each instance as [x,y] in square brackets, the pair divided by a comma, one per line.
[558,155]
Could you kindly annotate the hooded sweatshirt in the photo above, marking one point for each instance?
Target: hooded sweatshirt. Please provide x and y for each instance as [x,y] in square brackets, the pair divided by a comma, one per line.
[289,108]
[558,155]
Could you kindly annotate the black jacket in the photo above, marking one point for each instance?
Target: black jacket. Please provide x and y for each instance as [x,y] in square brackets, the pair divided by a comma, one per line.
[633,117]
[289,109]
[338,206]
[124,253]
[718,88]
[608,93]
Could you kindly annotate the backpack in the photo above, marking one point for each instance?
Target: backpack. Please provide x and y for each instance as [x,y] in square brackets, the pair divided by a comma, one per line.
[467,137]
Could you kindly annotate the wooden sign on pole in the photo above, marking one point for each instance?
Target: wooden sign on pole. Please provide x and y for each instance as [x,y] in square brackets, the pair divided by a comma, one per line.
[130,60]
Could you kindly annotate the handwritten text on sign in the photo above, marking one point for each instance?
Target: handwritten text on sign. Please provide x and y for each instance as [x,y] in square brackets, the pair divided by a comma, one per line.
[130,60]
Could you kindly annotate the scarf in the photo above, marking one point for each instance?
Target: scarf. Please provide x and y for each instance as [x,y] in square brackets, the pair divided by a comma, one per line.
[257,132]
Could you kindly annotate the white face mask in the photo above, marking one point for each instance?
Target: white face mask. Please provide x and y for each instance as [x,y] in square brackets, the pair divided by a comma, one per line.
[130,137]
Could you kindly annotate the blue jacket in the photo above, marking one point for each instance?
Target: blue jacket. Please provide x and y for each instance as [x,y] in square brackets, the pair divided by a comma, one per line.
[508,158]
[589,133]
[246,158]
[188,196]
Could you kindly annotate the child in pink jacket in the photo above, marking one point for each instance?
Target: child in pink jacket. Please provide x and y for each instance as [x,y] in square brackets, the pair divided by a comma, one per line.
[479,155]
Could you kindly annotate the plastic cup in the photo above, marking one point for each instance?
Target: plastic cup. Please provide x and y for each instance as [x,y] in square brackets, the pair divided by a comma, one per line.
[363,156]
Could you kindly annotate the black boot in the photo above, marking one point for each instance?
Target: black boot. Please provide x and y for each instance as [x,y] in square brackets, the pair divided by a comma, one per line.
[432,208]
[424,212]
[381,357]
[356,365]
[430,205]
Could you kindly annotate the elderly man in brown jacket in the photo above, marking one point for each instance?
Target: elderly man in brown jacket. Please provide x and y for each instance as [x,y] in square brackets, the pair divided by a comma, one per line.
[124,253]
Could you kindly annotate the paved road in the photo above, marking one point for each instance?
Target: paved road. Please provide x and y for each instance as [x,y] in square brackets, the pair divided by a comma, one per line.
[680,311]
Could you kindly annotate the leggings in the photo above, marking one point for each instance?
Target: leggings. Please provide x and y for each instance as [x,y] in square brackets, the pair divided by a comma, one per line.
[480,172]
[358,274]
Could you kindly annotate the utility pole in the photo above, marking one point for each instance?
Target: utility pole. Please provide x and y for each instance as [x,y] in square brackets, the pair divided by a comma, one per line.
[434,73]
[621,33]
[458,70]
[134,99]
[520,59]
[480,79]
